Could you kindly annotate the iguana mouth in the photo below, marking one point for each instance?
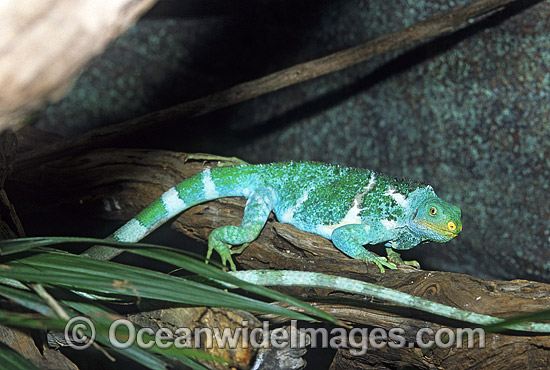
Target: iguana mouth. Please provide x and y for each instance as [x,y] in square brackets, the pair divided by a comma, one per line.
[446,232]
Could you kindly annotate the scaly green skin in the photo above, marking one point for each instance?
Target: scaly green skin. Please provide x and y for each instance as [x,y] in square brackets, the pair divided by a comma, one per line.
[351,207]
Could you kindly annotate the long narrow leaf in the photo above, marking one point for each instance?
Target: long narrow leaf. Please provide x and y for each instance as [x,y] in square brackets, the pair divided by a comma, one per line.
[102,319]
[13,360]
[509,321]
[203,269]
[93,276]
[173,256]
[32,321]
[26,299]
[13,246]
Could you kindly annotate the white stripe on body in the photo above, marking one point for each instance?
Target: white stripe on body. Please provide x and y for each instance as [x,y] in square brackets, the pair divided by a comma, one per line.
[353,216]
[389,224]
[288,215]
[398,197]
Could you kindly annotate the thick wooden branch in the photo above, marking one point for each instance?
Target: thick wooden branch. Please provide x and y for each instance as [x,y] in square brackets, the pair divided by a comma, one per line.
[405,37]
[117,184]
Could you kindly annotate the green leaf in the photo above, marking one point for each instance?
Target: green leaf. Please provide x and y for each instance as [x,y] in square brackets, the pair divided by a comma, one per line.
[13,360]
[205,270]
[185,260]
[26,299]
[54,268]
[11,246]
[100,277]
[519,319]
[102,319]
[33,321]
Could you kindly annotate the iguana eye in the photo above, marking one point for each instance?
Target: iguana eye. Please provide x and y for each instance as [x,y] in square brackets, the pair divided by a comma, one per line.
[451,226]
[433,211]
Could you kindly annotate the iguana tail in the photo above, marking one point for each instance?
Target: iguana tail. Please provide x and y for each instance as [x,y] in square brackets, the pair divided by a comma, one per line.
[207,185]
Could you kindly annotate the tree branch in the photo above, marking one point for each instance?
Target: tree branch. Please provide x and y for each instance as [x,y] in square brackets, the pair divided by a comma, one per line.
[406,37]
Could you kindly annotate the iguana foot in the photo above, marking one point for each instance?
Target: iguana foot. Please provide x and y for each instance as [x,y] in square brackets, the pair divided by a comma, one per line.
[381,262]
[225,252]
[394,257]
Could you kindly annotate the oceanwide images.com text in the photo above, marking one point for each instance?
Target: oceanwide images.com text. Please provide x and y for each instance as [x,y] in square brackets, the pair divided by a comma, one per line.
[80,333]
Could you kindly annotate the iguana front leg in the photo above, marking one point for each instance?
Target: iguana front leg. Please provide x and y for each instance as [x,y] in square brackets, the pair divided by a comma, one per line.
[405,240]
[350,239]
[257,210]
[394,257]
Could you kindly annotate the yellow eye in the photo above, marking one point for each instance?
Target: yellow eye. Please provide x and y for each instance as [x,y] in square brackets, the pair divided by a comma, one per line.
[451,226]
[433,211]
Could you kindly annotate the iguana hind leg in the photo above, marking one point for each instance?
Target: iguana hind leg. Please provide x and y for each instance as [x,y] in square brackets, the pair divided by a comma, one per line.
[258,207]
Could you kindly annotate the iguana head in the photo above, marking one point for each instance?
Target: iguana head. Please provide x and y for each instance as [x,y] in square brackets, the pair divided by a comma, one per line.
[434,219]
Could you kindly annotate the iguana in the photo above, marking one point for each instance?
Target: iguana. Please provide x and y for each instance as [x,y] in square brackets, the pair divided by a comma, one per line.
[352,207]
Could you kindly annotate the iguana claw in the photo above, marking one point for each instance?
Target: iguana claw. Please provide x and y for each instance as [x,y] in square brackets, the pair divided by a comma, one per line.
[381,262]
[225,252]
[394,257]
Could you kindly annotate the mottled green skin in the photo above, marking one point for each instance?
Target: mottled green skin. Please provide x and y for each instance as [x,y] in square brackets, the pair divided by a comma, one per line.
[352,207]
[332,190]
